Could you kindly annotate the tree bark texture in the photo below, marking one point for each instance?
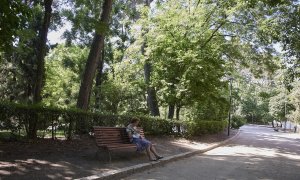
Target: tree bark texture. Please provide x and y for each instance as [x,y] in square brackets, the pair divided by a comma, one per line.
[99,80]
[151,92]
[151,98]
[41,52]
[92,61]
[177,118]
[177,112]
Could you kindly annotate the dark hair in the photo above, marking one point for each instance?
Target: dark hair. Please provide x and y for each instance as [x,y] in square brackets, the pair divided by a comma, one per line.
[134,120]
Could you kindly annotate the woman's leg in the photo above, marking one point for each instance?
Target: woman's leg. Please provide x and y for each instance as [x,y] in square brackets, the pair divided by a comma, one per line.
[145,145]
[148,150]
[153,150]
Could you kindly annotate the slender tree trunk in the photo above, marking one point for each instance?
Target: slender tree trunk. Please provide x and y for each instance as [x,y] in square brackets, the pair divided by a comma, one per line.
[28,90]
[41,52]
[92,61]
[177,118]
[171,111]
[99,80]
[177,112]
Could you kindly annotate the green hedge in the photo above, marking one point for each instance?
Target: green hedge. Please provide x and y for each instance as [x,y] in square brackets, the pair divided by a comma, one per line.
[17,117]
[197,128]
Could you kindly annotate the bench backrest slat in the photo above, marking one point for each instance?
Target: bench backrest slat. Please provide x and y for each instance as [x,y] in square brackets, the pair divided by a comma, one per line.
[111,135]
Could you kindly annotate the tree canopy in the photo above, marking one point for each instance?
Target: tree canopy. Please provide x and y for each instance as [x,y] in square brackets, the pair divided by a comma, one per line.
[170,58]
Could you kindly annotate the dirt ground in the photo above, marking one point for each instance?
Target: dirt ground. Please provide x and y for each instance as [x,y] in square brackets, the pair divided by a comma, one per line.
[61,159]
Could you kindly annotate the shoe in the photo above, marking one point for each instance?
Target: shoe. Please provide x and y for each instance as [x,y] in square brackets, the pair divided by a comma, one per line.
[159,157]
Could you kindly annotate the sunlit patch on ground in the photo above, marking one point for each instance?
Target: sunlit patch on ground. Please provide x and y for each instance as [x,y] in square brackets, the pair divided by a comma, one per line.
[243,151]
[192,145]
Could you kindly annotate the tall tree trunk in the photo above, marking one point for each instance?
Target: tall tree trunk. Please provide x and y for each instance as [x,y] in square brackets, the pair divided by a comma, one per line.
[99,79]
[41,52]
[151,92]
[151,98]
[92,61]
[171,111]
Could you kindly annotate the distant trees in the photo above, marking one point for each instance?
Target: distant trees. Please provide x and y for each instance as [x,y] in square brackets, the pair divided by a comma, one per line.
[64,69]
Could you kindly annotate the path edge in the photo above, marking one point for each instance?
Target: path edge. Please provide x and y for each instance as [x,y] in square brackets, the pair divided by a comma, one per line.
[123,172]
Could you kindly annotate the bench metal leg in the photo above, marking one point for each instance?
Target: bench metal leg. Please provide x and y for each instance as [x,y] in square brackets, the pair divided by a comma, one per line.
[99,155]
[109,154]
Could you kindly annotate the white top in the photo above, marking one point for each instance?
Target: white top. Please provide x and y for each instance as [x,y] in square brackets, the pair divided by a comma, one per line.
[133,131]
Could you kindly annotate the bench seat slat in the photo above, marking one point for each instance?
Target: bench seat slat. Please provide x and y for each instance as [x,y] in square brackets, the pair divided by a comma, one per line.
[120,145]
[112,142]
[117,145]
[113,139]
[116,148]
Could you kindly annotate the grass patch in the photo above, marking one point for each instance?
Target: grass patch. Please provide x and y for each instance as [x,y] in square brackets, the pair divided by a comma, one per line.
[8,135]
[48,134]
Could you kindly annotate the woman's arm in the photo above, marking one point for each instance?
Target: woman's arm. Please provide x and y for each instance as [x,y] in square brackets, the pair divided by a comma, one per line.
[137,129]
[129,135]
[129,132]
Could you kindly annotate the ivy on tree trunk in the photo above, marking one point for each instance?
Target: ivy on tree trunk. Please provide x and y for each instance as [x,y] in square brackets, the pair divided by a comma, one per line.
[41,52]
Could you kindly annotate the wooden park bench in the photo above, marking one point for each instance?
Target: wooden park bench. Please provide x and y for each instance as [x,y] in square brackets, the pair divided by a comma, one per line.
[113,138]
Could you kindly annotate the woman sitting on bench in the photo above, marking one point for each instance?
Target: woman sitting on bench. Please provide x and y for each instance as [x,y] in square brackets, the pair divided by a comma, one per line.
[140,142]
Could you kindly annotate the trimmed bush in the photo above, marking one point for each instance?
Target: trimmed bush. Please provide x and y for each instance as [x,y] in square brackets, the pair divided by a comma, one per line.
[198,128]
[237,122]
[17,117]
